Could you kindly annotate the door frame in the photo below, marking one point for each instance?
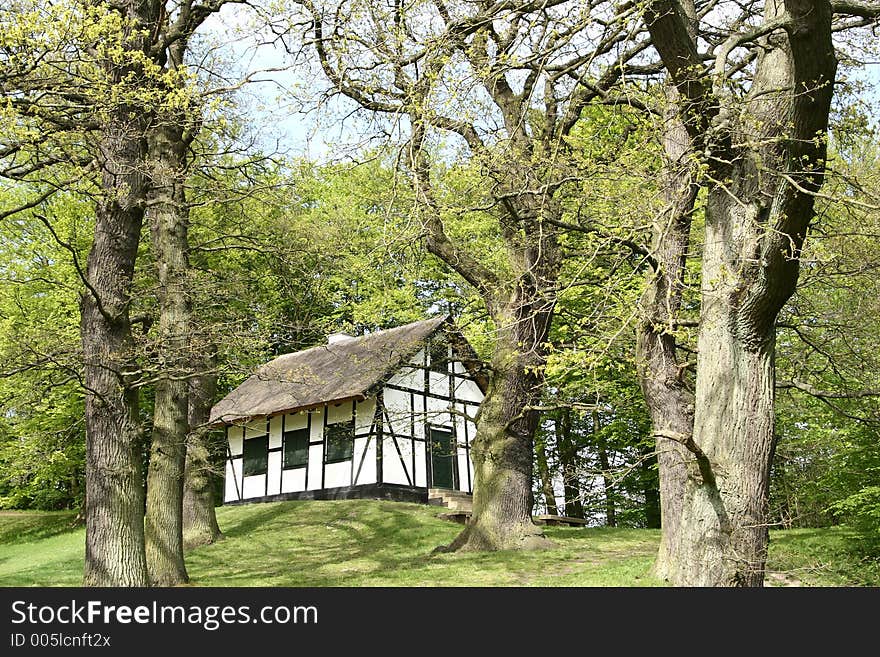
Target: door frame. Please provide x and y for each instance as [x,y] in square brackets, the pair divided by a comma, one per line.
[453,455]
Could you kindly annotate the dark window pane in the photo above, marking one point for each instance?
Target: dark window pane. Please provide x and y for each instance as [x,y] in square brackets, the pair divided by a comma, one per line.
[340,441]
[296,448]
[256,455]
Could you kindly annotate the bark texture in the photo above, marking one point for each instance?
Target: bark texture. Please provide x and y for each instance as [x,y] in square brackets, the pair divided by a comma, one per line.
[502,450]
[168,227]
[114,479]
[661,368]
[199,517]
[767,157]
[545,477]
[114,505]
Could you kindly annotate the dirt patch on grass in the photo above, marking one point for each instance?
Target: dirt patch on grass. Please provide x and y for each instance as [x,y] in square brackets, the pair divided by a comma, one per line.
[781,579]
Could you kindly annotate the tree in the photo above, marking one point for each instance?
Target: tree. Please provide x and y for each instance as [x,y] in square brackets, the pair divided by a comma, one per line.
[765,161]
[176,126]
[115,554]
[663,366]
[200,525]
[87,93]
[504,85]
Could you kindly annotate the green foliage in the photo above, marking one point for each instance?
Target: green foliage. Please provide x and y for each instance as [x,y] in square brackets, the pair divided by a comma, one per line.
[827,466]
[861,511]
[42,457]
[42,441]
[290,253]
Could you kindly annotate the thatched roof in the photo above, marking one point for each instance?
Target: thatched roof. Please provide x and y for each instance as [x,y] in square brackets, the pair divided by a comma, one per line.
[342,370]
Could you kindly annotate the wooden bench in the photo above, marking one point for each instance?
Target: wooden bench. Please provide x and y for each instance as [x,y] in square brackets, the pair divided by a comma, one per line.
[462,517]
[548,519]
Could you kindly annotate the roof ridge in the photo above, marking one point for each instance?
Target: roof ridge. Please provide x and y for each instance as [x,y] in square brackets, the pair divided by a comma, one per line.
[351,338]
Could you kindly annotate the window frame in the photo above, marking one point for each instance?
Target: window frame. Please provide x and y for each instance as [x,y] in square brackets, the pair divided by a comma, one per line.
[339,431]
[264,458]
[287,435]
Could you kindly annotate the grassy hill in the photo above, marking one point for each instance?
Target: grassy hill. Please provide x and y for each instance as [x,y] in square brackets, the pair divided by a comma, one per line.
[372,543]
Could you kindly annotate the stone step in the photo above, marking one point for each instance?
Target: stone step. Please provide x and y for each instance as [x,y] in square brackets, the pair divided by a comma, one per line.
[446,492]
[458,502]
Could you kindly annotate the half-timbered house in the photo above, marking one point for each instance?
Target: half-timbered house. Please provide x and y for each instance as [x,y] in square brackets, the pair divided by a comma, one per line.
[385,415]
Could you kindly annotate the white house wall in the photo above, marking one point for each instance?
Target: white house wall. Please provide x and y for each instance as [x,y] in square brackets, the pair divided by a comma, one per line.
[364,461]
[293,481]
[273,484]
[396,460]
[464,435]
[409,411]
[421,463]
[316,459]
[275,431]
[233,480]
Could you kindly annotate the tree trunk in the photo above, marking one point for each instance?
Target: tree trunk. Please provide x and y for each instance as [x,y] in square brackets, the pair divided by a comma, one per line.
[199,517]
[661,373]
[114,506]
[650,489]
[724,533]
[605,466]
[756,222]
[502,450]
[574,506]
[546,477]
[169,224]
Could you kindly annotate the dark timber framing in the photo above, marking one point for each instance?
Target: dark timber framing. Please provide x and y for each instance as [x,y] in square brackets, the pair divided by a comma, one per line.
[380,434]
[398,425]
[269,448]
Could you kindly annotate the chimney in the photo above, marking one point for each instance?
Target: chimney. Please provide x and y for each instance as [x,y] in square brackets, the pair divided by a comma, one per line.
[333,338]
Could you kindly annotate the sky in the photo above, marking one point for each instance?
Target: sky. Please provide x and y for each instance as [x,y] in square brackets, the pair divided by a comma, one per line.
[282,109]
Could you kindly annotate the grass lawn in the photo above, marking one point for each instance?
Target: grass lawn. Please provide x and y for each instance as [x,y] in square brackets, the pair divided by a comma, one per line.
[372,543]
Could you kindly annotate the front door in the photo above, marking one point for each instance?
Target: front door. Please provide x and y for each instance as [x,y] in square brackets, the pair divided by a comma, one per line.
[442,459]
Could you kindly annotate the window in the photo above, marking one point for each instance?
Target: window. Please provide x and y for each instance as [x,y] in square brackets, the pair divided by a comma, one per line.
[340,441]
[256,456]
[296,448]
[439,358]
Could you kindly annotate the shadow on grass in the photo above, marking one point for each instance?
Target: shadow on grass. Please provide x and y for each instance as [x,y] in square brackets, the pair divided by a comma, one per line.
[370,543]
[319,543]
[254,519]
[27,527]
[781,536]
